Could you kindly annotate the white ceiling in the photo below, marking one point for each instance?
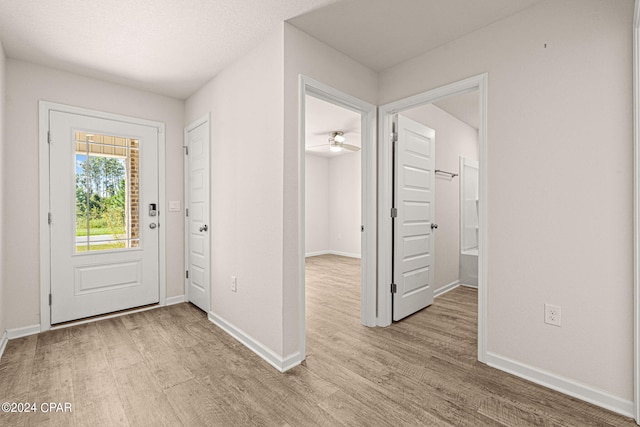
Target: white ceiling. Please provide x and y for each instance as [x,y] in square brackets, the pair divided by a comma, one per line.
[383,33]
[173,47]
[321,118]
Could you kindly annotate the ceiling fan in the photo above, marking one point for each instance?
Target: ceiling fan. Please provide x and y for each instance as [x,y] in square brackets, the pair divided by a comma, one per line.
[337,142]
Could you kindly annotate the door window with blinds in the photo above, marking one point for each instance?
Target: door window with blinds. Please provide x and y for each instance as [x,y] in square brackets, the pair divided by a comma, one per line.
[107,211]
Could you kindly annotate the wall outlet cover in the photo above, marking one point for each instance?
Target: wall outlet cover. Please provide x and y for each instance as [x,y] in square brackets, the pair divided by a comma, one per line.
[552,315]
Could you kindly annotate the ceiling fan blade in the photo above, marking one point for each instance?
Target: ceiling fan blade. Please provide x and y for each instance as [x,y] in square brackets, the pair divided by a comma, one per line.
[350,147]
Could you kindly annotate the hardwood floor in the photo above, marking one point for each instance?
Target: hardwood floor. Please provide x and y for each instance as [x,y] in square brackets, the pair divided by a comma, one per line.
[171,366]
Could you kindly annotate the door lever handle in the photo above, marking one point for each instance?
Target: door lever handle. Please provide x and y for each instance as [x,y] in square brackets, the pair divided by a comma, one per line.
[204,228]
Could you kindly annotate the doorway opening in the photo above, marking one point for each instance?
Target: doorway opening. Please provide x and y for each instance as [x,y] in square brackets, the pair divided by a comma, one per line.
[441,97]
[333,211]
[456,171]
[337,210]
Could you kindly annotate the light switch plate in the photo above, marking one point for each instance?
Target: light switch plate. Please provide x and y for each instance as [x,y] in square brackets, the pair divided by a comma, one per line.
[174,206]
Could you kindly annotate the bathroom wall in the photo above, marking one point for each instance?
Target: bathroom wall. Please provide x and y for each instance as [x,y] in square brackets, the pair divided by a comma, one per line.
[454,138]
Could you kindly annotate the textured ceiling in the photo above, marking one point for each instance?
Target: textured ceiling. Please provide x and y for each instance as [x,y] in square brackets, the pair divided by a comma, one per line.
[172,47]
[384,33]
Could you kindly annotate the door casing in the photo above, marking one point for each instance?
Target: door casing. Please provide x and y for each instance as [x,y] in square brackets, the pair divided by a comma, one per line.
[385,179]
[45,108]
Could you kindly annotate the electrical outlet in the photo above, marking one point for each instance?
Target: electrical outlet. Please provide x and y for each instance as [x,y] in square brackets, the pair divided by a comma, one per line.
[552,315]
[234,284]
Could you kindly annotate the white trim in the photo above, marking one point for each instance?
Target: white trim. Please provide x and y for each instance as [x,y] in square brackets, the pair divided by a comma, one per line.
[318,253]
[346,254]
[329,252]
[176,300]
[162,210]
[309,86]
[636,210]
[23,332]
[479,83]
[3,343]
[282,364]
[446,288]
[45,107]
[561,384]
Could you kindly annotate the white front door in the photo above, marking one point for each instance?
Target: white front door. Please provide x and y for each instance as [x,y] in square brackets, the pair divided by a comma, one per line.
[413,242]
[197,221]
[104,216]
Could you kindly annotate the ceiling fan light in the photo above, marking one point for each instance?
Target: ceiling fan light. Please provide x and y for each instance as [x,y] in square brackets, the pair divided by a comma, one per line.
[339,138]
[335,148]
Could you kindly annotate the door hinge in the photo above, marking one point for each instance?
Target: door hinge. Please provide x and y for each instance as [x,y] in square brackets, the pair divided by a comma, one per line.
[48,137]
[362,228]
[186,150]
[394,288]
[186,274]
[49,218]
[394,137]
[186,211]
[394,212]
[50,299]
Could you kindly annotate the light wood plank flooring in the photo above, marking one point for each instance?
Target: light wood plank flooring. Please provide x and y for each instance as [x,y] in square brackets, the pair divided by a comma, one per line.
[171,366]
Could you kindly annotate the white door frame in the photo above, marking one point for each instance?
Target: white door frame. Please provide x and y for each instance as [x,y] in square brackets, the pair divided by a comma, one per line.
[204,119]
[309,86]
[385,175]
[636,211]
[45,241]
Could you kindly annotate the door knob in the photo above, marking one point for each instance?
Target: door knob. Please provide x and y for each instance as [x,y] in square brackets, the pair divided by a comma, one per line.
[433,225]
[152,225]
[204,228]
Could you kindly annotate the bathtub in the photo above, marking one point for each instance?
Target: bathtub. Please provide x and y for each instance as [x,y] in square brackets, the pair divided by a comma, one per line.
[469,267]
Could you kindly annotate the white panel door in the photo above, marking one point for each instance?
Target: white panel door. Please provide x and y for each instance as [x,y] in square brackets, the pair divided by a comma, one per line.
[413,242]
[104,216]
[197,183]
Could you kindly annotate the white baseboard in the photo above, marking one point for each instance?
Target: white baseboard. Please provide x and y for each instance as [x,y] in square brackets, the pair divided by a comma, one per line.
[318,253]
[446,288]
[275,360]
[563,385]
[175,300]
[23,332]
[3,343]
[346,254]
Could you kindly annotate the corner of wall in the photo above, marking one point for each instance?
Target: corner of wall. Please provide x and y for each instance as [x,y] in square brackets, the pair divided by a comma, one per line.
[2,169]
